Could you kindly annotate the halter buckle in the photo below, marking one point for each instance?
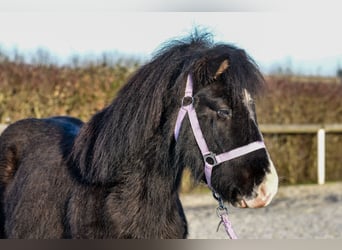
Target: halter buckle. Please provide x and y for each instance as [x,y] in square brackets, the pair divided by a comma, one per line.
[210,159]
[187,100]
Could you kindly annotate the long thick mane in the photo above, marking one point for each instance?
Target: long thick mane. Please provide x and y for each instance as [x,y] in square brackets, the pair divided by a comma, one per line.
[141,119]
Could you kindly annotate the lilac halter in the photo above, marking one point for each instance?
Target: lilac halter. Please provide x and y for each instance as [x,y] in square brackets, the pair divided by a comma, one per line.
[210,159]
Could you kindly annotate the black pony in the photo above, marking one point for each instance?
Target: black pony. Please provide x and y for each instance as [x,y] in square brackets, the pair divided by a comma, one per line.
[118,175]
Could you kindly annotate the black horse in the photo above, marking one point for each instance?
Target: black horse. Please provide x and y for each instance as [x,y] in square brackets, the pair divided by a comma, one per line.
[118,175]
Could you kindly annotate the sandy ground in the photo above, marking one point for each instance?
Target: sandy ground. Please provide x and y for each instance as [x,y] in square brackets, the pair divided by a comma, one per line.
[297,212]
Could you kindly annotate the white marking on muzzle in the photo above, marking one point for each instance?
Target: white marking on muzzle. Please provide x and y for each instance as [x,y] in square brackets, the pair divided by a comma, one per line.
[265,191]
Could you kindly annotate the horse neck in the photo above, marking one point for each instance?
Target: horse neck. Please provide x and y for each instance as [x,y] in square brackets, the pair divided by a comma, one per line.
[143,182]
[104,153]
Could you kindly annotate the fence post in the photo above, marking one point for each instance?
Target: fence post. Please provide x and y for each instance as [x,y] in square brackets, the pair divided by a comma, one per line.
[321,156]
[2,128]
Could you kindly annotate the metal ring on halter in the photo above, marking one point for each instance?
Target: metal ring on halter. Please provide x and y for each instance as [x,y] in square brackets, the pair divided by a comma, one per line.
[221,211]
[216,196]
[210,159]
[184,101]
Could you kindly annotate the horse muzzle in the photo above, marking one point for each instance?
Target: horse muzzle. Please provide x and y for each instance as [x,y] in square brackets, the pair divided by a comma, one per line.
[265,192]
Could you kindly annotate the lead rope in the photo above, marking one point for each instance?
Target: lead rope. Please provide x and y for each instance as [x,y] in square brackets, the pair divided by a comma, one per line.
[222,213]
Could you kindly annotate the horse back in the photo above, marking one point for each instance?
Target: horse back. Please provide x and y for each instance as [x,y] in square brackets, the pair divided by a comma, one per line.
[29,135]
[32,155]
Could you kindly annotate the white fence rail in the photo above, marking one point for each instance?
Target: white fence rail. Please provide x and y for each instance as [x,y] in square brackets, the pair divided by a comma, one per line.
[319,130]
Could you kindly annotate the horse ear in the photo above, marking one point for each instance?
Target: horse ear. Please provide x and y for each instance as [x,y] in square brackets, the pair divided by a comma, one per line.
[223,66]
[208,70]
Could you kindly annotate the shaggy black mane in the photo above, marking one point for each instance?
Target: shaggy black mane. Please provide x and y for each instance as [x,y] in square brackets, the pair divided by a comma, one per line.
[143,107]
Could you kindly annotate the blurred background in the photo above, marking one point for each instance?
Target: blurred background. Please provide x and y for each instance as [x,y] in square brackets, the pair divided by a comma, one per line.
[71,58]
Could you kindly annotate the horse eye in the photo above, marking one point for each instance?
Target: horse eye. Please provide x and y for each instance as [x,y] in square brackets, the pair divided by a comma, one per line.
[224,113]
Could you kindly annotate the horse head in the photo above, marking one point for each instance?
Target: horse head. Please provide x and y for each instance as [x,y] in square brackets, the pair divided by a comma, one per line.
[220,141]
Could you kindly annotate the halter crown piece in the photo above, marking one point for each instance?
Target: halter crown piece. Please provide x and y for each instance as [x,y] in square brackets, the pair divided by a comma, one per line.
[210,159]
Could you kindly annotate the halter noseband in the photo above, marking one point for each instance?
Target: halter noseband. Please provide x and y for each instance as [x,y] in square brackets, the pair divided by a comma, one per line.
[210,159]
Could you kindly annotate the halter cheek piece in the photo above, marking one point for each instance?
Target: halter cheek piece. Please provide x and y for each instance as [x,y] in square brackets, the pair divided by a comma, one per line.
[210,159]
